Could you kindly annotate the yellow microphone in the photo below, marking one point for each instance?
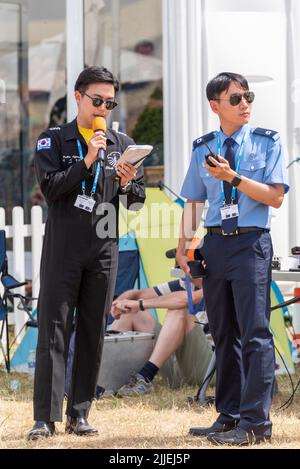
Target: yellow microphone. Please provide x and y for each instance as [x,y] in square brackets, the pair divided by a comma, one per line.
[99,125]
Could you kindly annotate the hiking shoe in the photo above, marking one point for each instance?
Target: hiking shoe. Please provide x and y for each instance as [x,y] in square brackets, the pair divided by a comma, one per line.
[136,386]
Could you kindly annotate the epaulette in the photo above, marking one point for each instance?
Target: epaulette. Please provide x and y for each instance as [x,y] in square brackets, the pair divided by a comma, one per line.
[267,133]
[122,133]
[206,138]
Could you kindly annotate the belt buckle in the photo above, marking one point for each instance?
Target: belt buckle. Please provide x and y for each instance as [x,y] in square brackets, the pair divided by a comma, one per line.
[232,233]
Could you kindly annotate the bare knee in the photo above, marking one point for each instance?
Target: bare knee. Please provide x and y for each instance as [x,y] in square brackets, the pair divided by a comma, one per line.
[143,321]
[124,323]
[176,315]
[182,318]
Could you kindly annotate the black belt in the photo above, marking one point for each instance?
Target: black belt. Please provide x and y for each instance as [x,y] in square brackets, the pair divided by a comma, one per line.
[243,229]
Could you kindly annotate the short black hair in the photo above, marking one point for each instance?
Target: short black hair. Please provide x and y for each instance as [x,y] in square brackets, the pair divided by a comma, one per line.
[95,75]
[221,83]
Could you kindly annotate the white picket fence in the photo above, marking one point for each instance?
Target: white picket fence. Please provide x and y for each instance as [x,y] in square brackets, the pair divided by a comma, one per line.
[18,231]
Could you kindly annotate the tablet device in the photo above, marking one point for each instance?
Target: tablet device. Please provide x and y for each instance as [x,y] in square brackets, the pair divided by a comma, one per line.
[135,154]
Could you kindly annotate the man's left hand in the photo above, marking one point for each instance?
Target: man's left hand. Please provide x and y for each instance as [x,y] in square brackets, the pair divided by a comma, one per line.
[222,171]
[124,306]
[126,171]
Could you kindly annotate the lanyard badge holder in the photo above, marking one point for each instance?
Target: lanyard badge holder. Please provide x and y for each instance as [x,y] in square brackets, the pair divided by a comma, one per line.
[85,202]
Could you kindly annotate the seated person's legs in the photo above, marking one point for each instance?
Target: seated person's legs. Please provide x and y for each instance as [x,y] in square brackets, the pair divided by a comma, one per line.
[179,332]
[142,321]
[172,333]
[193,356]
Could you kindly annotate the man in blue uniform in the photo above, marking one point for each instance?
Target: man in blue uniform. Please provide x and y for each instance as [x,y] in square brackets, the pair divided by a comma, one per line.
[240,171]
[78,266]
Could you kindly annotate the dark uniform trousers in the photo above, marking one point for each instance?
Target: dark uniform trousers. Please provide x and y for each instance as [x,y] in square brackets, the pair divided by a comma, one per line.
[80,272]
[237,296]
[77,270]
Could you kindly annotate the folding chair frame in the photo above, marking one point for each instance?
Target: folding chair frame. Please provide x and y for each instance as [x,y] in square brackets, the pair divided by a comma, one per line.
[9,283]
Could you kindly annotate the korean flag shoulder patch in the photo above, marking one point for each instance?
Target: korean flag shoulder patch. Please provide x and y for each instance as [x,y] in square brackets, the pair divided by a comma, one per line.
[44,144]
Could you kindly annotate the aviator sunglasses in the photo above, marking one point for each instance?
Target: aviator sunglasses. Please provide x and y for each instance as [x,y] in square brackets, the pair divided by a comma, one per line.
[97,102]
[236,98]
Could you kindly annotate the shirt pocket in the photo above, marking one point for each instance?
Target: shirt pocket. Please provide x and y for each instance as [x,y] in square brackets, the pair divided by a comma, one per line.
[253,169]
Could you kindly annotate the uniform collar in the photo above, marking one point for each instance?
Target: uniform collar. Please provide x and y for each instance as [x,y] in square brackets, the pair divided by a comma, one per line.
[238,136]
[72,133]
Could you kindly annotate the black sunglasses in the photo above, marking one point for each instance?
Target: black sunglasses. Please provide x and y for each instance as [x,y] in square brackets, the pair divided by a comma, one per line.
[97,102]
[236,98]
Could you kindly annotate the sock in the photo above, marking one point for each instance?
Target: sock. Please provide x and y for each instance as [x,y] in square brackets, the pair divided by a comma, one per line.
[148,371]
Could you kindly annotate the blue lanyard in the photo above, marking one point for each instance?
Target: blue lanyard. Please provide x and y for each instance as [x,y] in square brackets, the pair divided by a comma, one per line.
[98,169]
[192,307]
[238,163]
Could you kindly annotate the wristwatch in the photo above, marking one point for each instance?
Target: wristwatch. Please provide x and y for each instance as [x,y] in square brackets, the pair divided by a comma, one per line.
[141,305]
[126,188]
[236,180]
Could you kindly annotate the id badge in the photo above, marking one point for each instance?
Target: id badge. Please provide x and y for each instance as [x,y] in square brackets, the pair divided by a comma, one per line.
[85,203]
[229,211]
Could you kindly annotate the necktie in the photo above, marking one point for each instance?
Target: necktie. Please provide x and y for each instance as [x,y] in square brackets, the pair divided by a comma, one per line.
[230,224]
[229,156]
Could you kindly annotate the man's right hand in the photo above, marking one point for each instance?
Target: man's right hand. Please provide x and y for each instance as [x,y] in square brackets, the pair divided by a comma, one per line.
[182,261]
[97,141]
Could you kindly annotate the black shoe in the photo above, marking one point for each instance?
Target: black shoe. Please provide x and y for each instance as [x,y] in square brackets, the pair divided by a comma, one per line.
[238,437]
[216,427]
[79,426]
[41,429]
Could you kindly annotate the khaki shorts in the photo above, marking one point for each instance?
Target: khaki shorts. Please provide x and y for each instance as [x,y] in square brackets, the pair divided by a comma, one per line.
[189,363]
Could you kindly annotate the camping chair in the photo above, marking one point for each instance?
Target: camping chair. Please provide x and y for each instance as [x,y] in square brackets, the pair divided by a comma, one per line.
[126,277]
[9,283]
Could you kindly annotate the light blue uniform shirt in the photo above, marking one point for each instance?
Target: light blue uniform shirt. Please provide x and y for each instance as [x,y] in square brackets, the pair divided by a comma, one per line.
[261,160]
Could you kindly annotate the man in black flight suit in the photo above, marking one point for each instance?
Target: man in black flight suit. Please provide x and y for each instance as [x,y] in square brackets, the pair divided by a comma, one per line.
[79,262]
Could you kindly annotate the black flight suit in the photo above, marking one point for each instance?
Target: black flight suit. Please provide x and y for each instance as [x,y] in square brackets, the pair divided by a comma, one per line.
[78,269]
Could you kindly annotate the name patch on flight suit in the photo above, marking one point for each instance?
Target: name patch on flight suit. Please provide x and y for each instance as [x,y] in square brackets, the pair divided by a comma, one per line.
[70,158]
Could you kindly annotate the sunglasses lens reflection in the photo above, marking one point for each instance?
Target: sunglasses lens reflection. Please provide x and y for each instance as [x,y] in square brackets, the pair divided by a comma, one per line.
[110,105]
[250,97]
[235,99]
[97,102]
